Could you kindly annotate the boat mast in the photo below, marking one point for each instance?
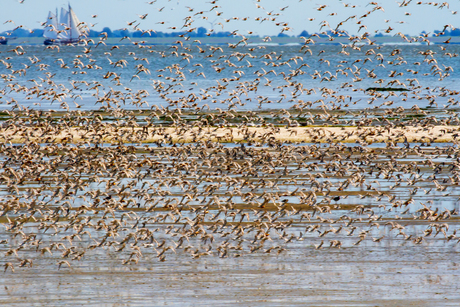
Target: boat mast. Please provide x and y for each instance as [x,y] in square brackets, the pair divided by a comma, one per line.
[74,24]
[69,23]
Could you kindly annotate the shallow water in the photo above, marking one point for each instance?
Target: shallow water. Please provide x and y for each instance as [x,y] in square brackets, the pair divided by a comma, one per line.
[361,276]
[287,269]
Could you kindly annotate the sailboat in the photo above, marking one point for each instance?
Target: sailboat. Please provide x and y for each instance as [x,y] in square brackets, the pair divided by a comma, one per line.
[65,30]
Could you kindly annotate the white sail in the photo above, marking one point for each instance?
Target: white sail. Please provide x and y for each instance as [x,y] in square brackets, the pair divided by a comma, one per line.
[74,25]
[63,25]
[67,29]
[51,27]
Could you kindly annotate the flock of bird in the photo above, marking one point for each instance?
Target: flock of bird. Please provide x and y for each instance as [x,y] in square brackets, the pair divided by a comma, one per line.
[62,201]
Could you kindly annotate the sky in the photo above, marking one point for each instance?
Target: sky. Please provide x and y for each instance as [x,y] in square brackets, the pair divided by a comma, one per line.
[309,15]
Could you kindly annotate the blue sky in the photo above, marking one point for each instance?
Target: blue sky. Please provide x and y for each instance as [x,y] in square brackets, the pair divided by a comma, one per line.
[308,15]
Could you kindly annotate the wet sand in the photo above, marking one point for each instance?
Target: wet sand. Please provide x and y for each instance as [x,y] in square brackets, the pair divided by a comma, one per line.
[361,276]
[384,269]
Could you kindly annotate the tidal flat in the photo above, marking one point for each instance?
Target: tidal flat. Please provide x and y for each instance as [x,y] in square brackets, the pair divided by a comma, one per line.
[256,222]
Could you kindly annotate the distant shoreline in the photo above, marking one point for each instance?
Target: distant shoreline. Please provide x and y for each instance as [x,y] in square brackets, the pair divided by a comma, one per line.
[274,40]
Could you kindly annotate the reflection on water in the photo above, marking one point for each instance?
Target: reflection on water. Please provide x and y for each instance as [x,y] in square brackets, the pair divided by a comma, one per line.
[176,227]
[364,276]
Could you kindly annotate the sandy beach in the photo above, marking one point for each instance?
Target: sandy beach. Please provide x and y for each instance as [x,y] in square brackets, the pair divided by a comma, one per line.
[109,134]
